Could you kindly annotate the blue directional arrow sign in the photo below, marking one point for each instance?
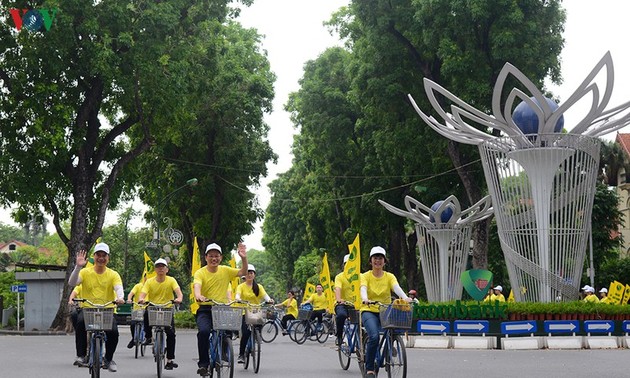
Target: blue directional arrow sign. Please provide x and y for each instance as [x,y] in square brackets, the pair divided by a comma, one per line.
[513,328]
[625,326]
[471,326]
[426,326]
[562,326]
[599,326]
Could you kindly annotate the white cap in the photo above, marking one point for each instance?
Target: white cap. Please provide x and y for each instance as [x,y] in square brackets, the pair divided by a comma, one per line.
[160,261]
[101,247]
[251,267]
[378,251]
[588,288]
[213,246]
[603,290]
[499,287]
[346,258]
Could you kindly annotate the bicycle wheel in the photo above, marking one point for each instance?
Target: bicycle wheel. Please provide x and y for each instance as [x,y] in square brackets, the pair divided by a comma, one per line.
[225,368]
[300,332]
[322,332]
[158,351]
[396,358]
[269,331]
[256,350]
[343,350]
[97,355]
[137,338]
[248,351]
[361,352]
[290,329]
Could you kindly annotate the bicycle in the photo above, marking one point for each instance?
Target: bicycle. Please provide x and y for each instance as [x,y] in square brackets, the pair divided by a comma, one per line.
[391,353]
[350,338]
[307,328]
[98,319]
[139,336]
[160,317]
[225,319]
[273,325]
[254,318]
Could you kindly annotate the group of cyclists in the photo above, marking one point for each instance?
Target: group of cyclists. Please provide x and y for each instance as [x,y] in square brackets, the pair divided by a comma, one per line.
[211,284]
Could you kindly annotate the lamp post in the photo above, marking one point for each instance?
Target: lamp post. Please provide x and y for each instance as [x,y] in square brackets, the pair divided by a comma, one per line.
[162,203]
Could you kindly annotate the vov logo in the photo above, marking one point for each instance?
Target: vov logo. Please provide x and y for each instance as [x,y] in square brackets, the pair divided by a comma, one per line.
[477,282]
[33,19]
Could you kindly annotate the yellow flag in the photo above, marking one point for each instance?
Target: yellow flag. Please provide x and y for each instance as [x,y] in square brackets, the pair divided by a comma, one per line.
[615,292]
[308,291]
[236,280]
[149,269]
[511,297]
[352,270]
[195,266]
[324,279]
[626,295]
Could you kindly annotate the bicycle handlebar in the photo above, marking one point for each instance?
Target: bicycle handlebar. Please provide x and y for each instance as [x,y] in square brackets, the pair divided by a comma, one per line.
[99,305]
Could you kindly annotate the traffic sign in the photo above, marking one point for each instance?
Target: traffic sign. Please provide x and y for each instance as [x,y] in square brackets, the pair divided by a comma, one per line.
[18,288]
[471,326]
[513,328]
[426,326]
[626,326]
[599,326]
[562,326]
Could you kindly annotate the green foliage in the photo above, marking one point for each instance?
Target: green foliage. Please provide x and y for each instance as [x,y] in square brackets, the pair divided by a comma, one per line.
[7,279]
[8,233]
[185,319]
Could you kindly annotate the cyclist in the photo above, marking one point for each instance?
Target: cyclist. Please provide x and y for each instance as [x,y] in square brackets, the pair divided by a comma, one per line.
[291,314]
[376,285]
[135,292]
[211,283]
[319,302]
[99,284]
[343,293]
[160,289]
[251,292]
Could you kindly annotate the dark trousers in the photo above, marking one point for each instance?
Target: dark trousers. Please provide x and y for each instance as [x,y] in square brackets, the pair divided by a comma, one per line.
[170,335]
[319,314]
[245,335]
[80,335]
[372,324]
[204,326]
[341,314]
[285,320]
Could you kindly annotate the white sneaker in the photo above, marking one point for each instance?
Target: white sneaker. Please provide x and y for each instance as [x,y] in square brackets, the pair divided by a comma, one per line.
[111,366]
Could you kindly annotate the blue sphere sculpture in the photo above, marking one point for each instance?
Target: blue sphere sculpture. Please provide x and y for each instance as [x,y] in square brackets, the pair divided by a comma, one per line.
[526,119]
[446,214]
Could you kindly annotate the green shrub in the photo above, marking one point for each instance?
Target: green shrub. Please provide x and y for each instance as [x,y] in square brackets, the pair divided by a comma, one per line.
[185,319]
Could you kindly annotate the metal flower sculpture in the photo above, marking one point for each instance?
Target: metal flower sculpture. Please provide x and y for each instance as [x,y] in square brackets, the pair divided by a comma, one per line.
[542,181]
[443,239]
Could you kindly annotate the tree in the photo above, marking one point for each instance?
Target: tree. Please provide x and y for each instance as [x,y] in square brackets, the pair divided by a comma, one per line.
[73,96]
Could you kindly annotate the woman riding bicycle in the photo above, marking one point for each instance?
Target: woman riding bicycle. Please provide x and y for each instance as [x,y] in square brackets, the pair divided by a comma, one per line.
[376,286]
[211,283]
[252,292]
[319,302]
[292,311]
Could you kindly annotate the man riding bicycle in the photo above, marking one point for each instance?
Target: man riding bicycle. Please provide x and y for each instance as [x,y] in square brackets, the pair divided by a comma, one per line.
[99,284]
[343,294]
[211,283]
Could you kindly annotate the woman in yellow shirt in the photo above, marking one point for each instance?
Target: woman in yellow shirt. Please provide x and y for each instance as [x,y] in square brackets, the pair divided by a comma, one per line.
[376,286]
[291,314]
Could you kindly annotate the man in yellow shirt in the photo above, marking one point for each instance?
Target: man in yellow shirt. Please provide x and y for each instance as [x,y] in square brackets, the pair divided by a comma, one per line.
[161,289]
[498,294]
[589,294]
[319,302]
[211,283]
[343,293]
[99,284]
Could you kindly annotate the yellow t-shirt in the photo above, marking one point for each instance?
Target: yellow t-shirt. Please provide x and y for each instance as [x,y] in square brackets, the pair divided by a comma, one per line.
[592,298]
[379,289]
[99,288]
[246,293]
[77,289]
[136,294]
[215,285]
[499,297]
[320,302]
[341,281]
[160,292]
[291,305]
[605,300]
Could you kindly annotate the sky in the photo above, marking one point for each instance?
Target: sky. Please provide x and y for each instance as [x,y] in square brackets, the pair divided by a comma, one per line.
[293,34]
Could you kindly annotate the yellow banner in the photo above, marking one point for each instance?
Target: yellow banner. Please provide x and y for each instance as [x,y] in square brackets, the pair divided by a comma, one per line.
[615,292]
[511,297]
[195,266]
[324,279]
[352,271]
[149,269]
[308,291]
[626,294]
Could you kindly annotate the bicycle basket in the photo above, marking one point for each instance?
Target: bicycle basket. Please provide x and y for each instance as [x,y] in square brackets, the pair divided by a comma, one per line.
[396,316]
[227,318]
[255,316]
[137,315]
[98,319]
[353,315]
[161,317]
[304,314]
[272,314]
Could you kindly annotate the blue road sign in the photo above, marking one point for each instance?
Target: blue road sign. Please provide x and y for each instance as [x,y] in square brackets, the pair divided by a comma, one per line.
[514,328]
[625,326]
[599,326]
[426,326]
[562,326]
[18,288]
[471,326]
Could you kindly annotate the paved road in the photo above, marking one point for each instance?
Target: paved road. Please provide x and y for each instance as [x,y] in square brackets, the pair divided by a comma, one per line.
[52,356]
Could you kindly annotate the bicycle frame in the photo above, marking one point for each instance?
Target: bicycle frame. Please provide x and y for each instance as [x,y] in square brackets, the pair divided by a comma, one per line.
[97,339]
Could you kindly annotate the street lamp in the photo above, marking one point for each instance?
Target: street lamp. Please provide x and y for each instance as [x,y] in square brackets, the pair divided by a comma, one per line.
[162,203]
